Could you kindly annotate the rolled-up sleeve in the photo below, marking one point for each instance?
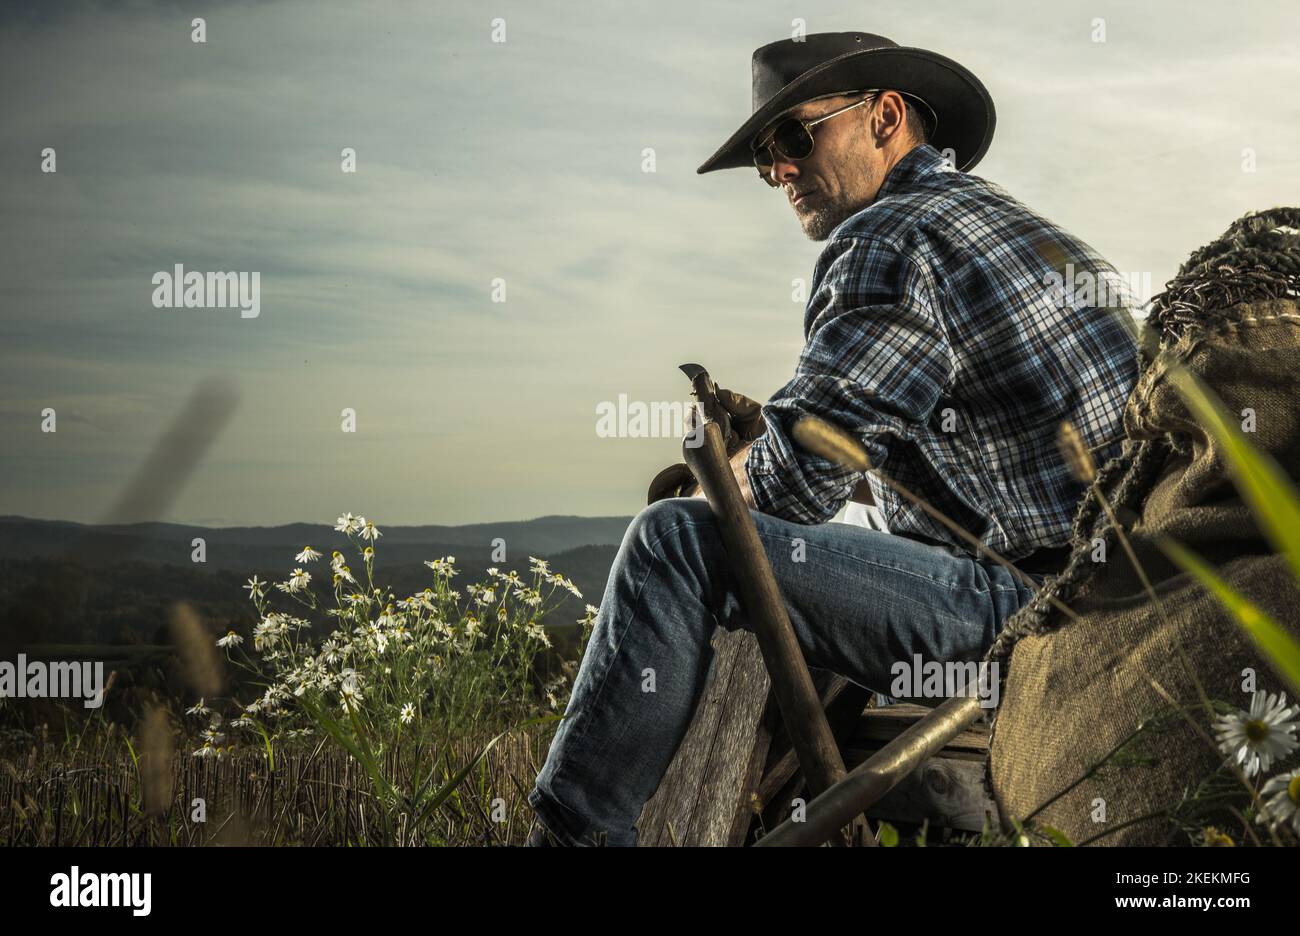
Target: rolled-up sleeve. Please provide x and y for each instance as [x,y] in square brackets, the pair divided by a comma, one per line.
[876,360]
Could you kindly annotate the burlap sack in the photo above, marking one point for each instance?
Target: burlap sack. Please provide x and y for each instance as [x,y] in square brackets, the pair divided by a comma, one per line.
[1075,689]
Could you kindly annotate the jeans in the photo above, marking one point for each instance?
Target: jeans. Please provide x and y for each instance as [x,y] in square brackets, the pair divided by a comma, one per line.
[858,600]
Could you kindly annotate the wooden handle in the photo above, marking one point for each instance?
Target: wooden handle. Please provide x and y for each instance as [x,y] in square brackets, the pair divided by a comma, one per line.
[810,734]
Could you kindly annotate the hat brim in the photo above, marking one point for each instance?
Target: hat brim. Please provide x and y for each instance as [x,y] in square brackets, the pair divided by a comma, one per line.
[961,103]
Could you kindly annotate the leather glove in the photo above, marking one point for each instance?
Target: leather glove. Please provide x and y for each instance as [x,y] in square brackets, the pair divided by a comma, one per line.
[674,481]
[747,424]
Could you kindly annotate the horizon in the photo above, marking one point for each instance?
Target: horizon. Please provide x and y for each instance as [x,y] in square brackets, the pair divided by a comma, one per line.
[273,526]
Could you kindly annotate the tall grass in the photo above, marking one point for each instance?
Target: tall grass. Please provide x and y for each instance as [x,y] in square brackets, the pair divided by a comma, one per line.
[372,719]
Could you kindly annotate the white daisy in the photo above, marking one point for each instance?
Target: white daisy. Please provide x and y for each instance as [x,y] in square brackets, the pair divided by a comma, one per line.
[369,531]
[408,713]
[255,587]
[198,708]
[230,640]
[350,694]
[266,633]
[1281,797]
[1257,738]
[443,566]
[307,555]
[567,585]
[345,523]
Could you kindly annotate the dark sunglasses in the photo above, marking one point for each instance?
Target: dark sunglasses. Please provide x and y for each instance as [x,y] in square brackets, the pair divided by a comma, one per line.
[792,138]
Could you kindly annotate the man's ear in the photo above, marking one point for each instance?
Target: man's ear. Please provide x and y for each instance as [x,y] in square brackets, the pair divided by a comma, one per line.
[887,116]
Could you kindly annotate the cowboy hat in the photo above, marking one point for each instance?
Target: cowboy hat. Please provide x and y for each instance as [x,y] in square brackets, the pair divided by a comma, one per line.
[789,72]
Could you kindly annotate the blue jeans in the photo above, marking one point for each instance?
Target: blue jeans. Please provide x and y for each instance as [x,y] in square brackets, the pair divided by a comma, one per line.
[858,599]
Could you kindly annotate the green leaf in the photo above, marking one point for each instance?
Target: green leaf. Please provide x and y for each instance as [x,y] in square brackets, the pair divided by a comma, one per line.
[1263,484]
[1278,646]
[1057,836]
[362,756]
[887,835]
[266,744]
[440,795]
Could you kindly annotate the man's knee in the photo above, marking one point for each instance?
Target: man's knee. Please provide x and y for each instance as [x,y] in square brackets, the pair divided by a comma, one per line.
[665,516]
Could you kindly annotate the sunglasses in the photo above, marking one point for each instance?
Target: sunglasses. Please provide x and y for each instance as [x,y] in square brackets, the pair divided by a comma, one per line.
[792,138]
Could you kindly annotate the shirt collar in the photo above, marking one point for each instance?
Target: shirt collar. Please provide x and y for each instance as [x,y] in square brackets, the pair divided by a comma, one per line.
[918,163]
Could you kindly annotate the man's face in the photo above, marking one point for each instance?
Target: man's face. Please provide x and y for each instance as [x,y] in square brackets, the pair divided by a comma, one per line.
[842,174]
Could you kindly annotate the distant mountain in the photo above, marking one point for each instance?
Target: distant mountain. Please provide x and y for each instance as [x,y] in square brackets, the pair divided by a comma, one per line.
[247,548]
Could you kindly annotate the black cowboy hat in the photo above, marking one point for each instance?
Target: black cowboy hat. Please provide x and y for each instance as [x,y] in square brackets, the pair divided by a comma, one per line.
[789,72]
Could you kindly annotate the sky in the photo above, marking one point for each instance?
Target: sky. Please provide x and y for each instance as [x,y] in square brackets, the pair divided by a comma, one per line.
[519,162]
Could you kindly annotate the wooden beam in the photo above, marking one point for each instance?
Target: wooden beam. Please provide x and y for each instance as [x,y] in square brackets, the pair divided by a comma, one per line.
[705,792]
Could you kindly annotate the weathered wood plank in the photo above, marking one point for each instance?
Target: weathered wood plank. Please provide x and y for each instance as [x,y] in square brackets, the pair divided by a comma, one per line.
[844,702]
[699,798]
[740,741]
[888,722]
[947,789]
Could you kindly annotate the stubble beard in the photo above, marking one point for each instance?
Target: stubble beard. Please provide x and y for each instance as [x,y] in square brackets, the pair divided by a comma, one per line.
[818,222]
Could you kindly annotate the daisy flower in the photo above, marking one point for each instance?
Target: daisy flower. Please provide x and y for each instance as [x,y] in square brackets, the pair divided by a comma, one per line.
[1281,797]
[1215,838]
[350,695]
[1256,738]
[198,708]
[230,640]
[307,555]
[255,587]
[408,713]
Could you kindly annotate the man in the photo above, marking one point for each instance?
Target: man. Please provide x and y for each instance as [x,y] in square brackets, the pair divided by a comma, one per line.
[939,333]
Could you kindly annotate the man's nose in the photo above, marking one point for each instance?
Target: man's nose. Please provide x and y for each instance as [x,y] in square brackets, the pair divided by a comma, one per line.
[783,171]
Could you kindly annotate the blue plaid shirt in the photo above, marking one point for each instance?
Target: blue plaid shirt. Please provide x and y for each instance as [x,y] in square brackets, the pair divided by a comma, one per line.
[945,330]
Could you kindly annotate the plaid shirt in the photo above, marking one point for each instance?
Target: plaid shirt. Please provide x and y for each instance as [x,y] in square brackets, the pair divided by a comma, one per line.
[945,331]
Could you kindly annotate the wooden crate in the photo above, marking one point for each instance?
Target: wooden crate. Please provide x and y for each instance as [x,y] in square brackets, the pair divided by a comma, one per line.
[735,774]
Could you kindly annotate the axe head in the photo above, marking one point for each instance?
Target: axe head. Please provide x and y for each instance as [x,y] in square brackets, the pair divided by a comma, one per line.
[706,392]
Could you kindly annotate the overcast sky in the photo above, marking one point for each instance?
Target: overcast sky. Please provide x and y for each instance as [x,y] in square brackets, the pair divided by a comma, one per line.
[520,160]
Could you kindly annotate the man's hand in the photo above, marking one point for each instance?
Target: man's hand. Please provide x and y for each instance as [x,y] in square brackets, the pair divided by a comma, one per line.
[747,425]
[742,476]
[746,414]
